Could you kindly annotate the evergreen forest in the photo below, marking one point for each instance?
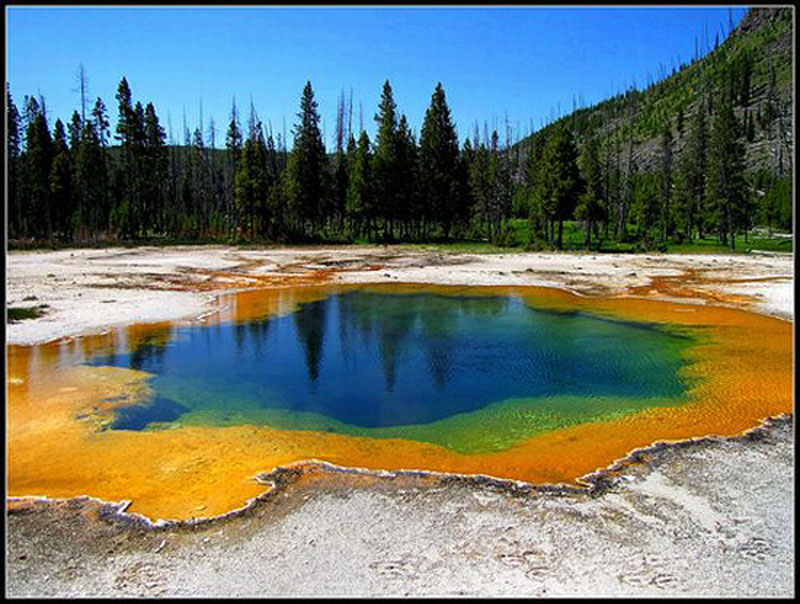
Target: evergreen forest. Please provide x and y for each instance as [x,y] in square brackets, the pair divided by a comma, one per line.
[703,153]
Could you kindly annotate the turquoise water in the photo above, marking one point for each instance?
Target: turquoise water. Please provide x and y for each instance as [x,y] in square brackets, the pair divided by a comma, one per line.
[408,365]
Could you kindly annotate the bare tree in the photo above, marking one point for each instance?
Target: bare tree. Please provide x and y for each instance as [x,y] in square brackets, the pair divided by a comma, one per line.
[350,116]
[187,137]
[82,88]
[340,122]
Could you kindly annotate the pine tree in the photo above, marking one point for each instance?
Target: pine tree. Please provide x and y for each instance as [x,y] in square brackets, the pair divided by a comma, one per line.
[101,129]
[560,180]
[480,184]
[683,201]
[75,127]
[438,161]
[60,182]
[340,185]
[256,176]
[666,183]
[155,165]
[216,183]
[359,191]
[272,175]
[36,164]
[186,223]
[613,182]
[625,199]
[101,124]
[495,188]
[15,225]
[592,205]
[305,178]
[646,207]
[745,73]
[233,143]
[726,186]
[90,182]
[244,191]
[534,190]
[261,184]
[466,161]
[384,160]
[201,194]
[248,175]
[125,207]
[691,174]
[407,207]
[464,200]
[125,118]
[140,216]
[75,130]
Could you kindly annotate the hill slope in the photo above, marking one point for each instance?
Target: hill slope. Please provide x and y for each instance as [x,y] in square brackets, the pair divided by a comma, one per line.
[756,58]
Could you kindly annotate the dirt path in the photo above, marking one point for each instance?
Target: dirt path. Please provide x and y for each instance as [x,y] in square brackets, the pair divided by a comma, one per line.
[713,517]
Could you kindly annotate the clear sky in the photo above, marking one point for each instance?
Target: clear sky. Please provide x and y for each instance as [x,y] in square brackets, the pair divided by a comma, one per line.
[526,62]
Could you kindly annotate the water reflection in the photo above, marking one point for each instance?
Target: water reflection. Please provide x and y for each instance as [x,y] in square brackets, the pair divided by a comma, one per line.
[373,359]
[310,324]
[147,349]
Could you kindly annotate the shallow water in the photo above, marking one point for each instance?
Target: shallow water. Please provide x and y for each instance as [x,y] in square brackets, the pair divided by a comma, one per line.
[180,418]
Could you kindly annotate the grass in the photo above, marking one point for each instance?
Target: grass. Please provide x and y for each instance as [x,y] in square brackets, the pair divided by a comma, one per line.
[573,240]
[18,313]
[713,246]
[461,246]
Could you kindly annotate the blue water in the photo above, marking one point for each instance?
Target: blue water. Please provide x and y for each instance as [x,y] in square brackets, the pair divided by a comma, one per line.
[376,360]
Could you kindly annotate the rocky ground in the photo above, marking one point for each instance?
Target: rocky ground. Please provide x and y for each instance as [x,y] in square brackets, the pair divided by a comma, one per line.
[711,518]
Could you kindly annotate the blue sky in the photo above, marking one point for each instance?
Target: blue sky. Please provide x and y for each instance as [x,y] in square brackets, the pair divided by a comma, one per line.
[524,62]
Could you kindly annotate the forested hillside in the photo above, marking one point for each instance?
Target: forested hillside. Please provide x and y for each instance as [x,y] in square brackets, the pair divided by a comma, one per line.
[704,152]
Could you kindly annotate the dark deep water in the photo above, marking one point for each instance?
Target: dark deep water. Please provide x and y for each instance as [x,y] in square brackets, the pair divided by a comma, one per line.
[371,360]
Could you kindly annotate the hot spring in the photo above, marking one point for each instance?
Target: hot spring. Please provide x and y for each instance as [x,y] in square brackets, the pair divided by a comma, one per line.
[517,383]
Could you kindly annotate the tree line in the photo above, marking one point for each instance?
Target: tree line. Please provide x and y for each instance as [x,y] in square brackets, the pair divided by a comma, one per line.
[79,182]
[703,191]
